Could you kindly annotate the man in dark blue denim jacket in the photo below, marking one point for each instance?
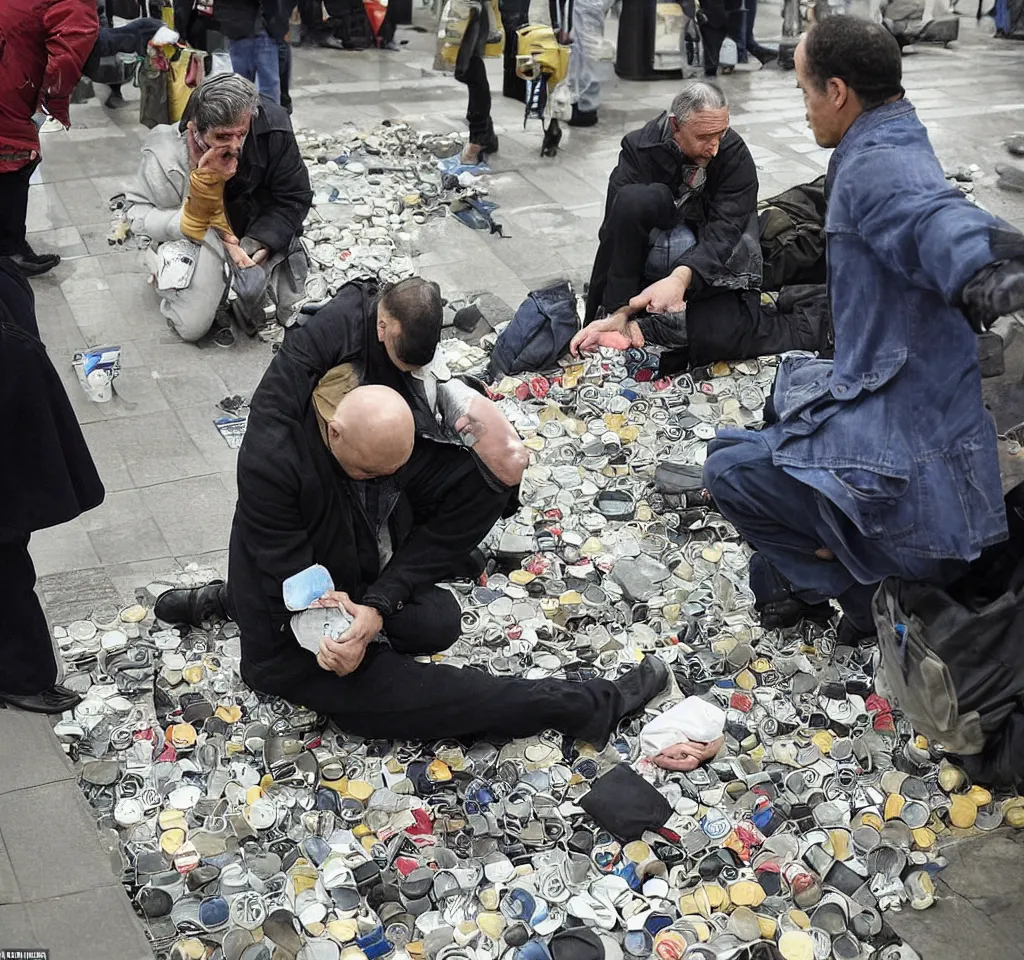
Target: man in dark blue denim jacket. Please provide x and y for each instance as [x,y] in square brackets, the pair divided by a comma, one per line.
[883,461]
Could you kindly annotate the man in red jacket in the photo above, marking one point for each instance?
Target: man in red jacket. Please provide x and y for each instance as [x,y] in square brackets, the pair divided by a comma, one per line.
[43,45]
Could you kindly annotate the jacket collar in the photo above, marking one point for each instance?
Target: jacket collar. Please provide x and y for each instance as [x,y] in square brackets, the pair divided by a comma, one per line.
[861,128]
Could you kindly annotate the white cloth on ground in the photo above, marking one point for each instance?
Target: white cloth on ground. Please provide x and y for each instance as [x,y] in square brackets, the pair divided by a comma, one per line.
[692,719]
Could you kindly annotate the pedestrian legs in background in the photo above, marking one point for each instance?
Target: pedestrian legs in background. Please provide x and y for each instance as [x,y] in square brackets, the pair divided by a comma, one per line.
[482,139]
[256,59]
[737,27]
[284,70]
[713,23]
[386,34]
[13,214]
[760,51]
[587,34]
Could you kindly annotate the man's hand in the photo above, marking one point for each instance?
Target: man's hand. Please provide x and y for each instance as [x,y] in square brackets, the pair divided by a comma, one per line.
[687,755]
[260,255]
[665,296]
[339,656]
[366,621]
[220,161]
[238,256]
[616,331]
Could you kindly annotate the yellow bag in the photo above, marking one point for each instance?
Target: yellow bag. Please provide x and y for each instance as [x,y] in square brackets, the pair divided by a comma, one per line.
[538,53]
[451,29]
[185,74]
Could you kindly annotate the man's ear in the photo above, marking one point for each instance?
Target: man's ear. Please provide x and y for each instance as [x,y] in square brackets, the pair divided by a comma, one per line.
[838,92]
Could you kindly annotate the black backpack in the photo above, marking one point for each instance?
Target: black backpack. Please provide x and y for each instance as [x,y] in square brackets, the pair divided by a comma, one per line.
[792,231]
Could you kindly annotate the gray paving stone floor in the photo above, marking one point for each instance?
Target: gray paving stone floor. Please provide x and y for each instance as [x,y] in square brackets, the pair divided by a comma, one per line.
[170,477]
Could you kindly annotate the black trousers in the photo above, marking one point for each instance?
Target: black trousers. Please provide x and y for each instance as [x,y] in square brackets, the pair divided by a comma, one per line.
[29,663]
[392,695]
[721,324]
[14,209]
[478,108]
[618,273]
[284,69]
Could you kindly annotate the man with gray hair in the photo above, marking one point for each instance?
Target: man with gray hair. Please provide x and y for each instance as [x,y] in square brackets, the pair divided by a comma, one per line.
[221,197]
[679,245]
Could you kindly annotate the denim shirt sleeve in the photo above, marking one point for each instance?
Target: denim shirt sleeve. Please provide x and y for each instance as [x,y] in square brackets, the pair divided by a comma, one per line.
[920,226]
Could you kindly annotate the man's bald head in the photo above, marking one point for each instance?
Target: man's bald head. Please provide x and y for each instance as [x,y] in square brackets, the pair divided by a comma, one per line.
[372,432]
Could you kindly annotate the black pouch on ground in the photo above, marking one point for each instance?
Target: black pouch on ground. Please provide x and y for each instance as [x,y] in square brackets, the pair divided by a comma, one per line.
[792,231]
[625,804]
[953,659]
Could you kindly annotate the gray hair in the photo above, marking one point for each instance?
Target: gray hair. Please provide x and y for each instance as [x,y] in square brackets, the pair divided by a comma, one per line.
[698,95]
[221,101]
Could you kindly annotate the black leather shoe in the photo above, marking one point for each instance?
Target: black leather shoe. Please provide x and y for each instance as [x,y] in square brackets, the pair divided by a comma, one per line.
[192,605]
[847,635]
[582,118]
[55,699]
[35,265]
[789,612]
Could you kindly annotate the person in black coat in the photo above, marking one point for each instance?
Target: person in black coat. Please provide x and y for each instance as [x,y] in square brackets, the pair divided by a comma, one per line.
[680,245]
[50,480]
[362,486]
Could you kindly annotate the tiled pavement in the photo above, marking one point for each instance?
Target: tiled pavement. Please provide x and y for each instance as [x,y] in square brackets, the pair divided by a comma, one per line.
[170,477]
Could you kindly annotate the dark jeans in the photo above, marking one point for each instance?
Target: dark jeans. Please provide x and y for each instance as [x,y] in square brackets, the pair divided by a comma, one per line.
[787,521]
[478,110]
[721,324]
[751,44]
[737,27]
[256,59]
[392,695]
[14,209]
[29,663]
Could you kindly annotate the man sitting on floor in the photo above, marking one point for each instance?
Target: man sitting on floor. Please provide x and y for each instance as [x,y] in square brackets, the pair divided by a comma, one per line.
[347,480]
[221,196]
[881,462]
[682,212]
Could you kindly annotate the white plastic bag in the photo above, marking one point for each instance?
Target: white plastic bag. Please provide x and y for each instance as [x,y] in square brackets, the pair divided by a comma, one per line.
[727,56]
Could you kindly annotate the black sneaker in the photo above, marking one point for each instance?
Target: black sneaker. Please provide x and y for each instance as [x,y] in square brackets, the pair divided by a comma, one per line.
[115,101]
[192,605]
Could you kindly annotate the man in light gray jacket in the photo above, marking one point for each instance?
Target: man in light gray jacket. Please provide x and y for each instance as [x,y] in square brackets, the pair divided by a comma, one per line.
[221,197]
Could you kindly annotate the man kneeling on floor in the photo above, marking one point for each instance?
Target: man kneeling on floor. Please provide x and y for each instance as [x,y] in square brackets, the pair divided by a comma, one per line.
[389,512]
[679,261]
[221,197]
[882,462]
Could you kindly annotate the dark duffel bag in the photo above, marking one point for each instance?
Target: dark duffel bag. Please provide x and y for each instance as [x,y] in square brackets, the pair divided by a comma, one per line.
[953,658]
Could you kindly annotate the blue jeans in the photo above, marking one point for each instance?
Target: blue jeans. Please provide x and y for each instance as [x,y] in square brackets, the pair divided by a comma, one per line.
[786,521]
[255,58]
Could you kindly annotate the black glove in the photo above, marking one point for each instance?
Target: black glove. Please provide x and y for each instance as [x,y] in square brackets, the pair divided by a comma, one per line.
[993,292]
